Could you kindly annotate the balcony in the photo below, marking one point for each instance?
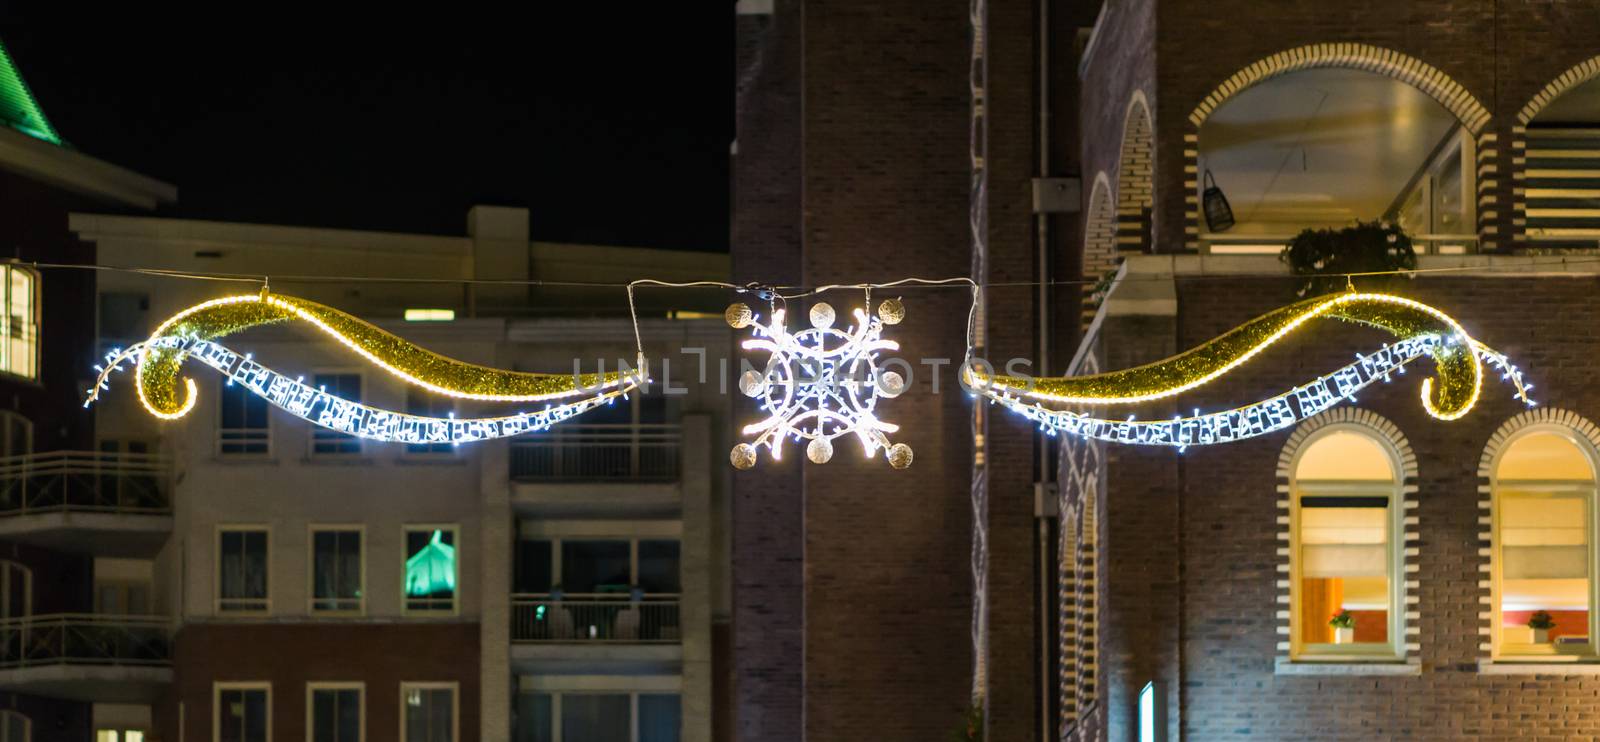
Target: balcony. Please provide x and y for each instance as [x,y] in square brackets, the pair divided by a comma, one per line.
[557,473]
[86,657]
[598,633]
[1272,244]
[101,504]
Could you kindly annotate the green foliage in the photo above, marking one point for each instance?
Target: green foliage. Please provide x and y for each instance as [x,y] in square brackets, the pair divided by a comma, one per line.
[1326,256]
[1343,620]
[971,729]
[1541,620]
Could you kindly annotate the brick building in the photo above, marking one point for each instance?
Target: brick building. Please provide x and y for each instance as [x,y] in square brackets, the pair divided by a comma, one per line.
[903,138]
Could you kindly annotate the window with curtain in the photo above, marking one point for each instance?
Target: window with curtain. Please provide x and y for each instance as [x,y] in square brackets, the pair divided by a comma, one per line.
[430,569]
[19,351]
[335,713]
[242,713]
[243,427]
[1344,556]
[1543,545]
[336,580]
[429,712]
[325,442]
[242,569]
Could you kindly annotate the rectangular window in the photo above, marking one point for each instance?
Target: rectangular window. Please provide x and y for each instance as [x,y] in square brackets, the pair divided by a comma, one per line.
[595,566]
[533,568]
[1544,543]
[1344,572]
[242,712]
[242,570]
[660,717]
[336,570]
[119,735]
[658,566]
[19,348]
[430,569]
[428,404]
[243,427]
[325,442]
[335,712]
[428,712]
[595,716]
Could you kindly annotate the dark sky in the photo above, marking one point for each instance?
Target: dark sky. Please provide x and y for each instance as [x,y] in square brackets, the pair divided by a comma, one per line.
[610,121]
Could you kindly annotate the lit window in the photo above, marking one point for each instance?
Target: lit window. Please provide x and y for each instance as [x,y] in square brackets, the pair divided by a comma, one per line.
[242,712]
[429,711]
[1344,557]
[119,735]
[336,712]
[19,348]
[336,570]
[1543,545]
[325,442]
[430,569]
[242,429]
[242,569]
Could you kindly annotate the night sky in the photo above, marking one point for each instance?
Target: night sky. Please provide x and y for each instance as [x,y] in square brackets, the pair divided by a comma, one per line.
[611,122]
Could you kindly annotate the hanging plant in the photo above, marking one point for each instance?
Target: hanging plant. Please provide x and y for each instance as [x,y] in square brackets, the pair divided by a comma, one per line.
[1326,256]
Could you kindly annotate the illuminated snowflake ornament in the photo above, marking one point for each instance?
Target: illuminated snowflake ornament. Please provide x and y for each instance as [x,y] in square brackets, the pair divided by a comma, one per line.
[820,383]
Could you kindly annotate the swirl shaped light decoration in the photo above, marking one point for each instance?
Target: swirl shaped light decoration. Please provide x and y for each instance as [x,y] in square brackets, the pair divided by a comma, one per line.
[192,334]
[1419,330]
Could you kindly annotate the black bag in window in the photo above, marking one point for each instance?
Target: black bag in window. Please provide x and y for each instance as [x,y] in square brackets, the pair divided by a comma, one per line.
[1219,215]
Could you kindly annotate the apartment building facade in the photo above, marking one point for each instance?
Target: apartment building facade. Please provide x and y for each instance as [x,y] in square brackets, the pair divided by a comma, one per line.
[565,585]
[1027,143]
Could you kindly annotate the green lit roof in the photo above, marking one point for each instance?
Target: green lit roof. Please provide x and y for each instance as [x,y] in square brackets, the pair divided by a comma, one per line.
[18,109]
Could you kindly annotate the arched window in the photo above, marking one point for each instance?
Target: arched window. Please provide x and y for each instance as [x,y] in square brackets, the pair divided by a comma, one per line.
[1543,552]
[1346,569]
[14,727]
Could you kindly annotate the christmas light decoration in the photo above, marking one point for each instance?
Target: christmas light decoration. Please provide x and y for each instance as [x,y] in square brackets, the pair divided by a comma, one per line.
[192,332]
[819,384]
[1421,331]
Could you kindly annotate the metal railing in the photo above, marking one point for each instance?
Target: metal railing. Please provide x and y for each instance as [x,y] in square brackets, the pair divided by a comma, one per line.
[579,453]
[1217,243]
[84,481]
[535,617]
[85,639]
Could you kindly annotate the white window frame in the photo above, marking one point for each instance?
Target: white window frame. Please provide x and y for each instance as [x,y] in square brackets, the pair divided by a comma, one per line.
[311,569]
[222,384]
[1502,651]
[405,602]
[1395,649]
[358,441]
[216,703]
[27,725]
[35,325]
[361,693]
[216,571]
[455,704]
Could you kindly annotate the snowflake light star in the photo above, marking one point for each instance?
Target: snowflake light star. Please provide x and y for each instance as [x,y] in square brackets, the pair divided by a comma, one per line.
[820,383]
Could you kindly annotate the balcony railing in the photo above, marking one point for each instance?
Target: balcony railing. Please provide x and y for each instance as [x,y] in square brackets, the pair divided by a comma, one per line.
[594,618]
[85,639]
[1217,243]
[582,453]
[84,481]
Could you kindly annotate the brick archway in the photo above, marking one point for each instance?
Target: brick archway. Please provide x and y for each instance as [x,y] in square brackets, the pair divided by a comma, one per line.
[1576,75]
[1455,98]
[1136,177]
[1099,240]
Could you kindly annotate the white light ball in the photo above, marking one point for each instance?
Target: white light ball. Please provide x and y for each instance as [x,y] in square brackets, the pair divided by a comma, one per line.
[739,315]
[891,384]
[819,450]
[822,315]
[752,383]
[899,456]
[892,311]
[743,456]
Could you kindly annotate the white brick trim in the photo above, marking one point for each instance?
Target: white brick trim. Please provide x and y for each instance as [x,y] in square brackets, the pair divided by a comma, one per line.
[1575,75]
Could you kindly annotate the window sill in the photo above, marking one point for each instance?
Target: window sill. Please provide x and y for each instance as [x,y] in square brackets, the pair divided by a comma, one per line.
[244,459]
[1348,666]
[1538,666]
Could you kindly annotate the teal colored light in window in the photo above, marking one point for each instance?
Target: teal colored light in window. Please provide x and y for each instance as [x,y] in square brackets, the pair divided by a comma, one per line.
[18,108]
[432,570]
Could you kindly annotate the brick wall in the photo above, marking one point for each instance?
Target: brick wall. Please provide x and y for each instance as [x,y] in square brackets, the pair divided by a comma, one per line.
[1218,509]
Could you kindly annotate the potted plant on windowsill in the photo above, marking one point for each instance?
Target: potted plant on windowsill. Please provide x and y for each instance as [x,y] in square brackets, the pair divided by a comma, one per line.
[1344,627]
[1540,624]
